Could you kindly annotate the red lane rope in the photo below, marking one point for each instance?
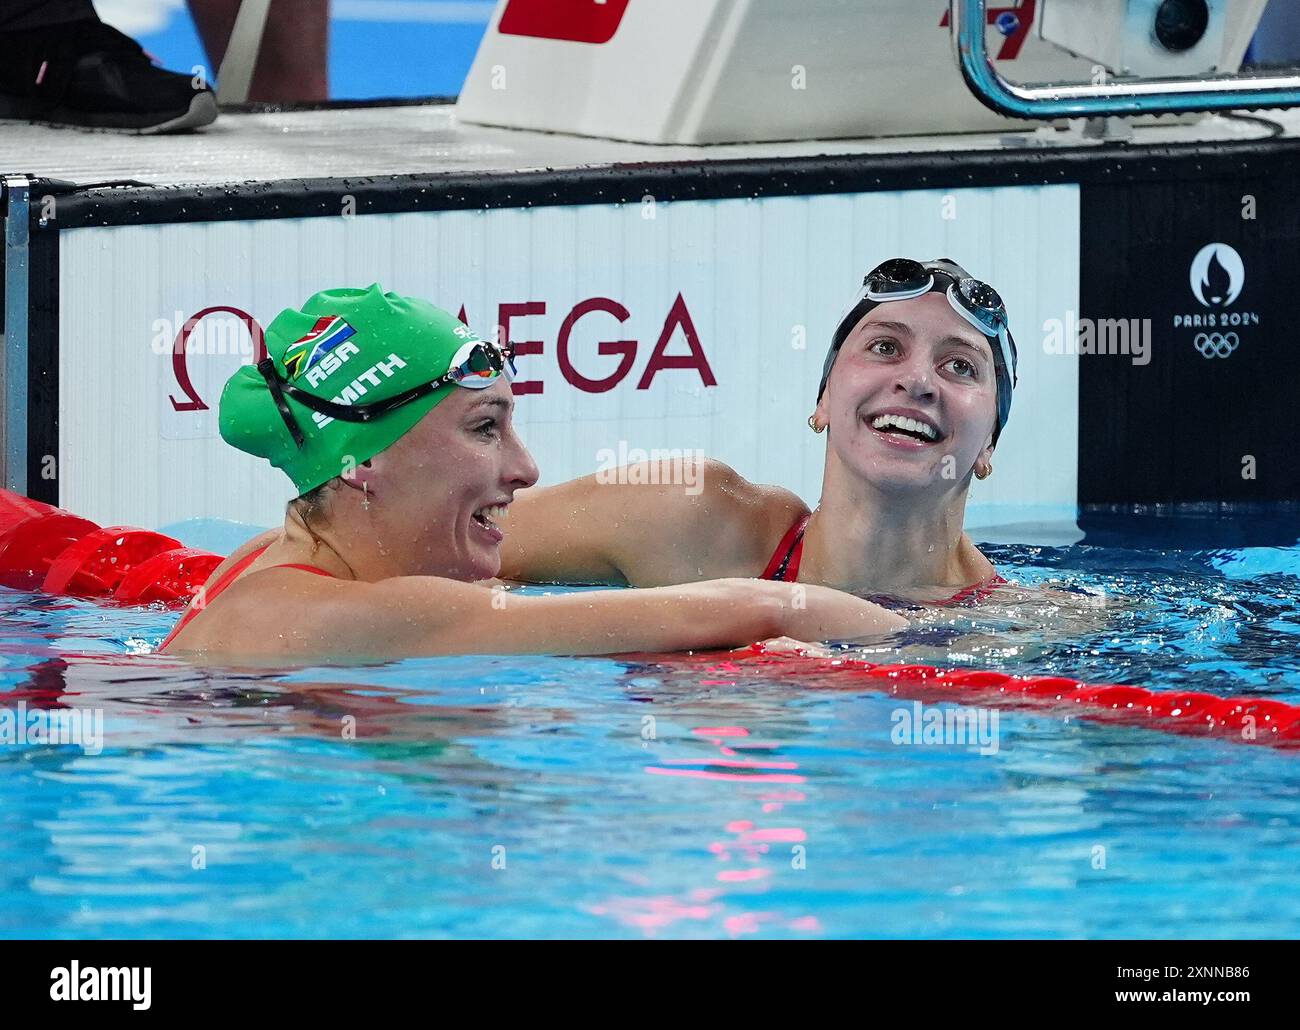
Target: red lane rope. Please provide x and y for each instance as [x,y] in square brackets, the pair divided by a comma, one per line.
[47,548]
[42,543]
[1249,720]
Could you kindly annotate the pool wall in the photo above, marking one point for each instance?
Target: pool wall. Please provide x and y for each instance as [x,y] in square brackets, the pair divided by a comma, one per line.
[684,307]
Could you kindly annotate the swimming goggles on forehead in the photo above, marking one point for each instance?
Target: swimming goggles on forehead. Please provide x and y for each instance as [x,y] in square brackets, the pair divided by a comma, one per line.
[902,279]
[476,366]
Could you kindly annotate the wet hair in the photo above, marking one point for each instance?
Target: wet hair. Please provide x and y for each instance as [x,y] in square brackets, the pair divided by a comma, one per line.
[308,506]
[311,506]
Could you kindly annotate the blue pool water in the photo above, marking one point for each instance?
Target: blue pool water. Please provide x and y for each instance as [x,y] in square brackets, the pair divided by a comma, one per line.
[494,797]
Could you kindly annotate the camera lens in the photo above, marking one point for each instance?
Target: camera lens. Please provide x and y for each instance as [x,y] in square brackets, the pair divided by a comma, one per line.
[1181,24]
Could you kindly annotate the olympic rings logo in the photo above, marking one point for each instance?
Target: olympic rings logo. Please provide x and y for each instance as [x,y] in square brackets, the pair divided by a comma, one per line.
[1216,345]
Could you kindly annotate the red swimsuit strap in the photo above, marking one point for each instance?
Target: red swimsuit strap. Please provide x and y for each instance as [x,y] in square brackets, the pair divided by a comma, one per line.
[976,591]
[304,568]
[211,595]
[227,578]
[784,567]
[784,564]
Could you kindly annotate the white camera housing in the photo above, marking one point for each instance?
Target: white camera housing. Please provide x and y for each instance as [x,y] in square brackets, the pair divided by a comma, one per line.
[1121,35]
[728,71]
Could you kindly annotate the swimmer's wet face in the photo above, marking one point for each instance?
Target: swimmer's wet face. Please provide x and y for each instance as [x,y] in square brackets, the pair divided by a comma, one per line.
[911,401]
[440,491]
[397,400]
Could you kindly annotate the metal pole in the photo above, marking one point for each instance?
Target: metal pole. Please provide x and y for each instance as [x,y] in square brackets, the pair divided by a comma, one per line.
[1045,101]
[235,77]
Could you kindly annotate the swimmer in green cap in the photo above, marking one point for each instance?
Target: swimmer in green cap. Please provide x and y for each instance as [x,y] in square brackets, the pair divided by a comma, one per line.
[393,420]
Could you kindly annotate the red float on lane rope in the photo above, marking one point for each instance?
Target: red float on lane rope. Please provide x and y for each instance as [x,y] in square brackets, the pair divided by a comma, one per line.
[94,565]
[15,508]
[172,577]
[30,545]
[1250,720]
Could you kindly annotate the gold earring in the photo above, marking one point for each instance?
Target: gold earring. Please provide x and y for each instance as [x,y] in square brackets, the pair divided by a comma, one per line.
[988,471]
[813,425]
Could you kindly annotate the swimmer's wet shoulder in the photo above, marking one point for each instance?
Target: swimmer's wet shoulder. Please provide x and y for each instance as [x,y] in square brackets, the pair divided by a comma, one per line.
[257,543]
[644,527]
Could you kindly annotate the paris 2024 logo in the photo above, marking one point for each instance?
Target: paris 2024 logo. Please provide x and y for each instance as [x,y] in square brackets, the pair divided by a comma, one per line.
[1217,277]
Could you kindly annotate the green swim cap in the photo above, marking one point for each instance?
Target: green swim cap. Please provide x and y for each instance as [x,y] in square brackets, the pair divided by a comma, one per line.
[350,347]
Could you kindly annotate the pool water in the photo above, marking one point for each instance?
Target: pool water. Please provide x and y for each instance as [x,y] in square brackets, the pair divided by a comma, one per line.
[596,797]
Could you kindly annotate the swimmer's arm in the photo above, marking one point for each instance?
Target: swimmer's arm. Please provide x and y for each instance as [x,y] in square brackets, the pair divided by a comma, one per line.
[414,616]
[564,534]
[650,524]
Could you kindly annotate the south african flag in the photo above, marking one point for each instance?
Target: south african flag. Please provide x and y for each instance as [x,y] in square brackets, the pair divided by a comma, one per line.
[328,332]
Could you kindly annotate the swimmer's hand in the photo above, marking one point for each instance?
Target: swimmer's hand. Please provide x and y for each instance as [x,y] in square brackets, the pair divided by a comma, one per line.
[794,648]
[821,613]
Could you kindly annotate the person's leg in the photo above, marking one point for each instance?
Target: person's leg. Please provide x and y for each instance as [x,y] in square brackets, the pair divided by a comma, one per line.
[60,64]
[16,15]
[292,66]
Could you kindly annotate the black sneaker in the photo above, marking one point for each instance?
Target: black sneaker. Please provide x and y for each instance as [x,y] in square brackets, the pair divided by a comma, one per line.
[88,74]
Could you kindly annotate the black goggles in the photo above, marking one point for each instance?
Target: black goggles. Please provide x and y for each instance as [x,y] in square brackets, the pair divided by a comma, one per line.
[475,366]
[903,278]
[976,302]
